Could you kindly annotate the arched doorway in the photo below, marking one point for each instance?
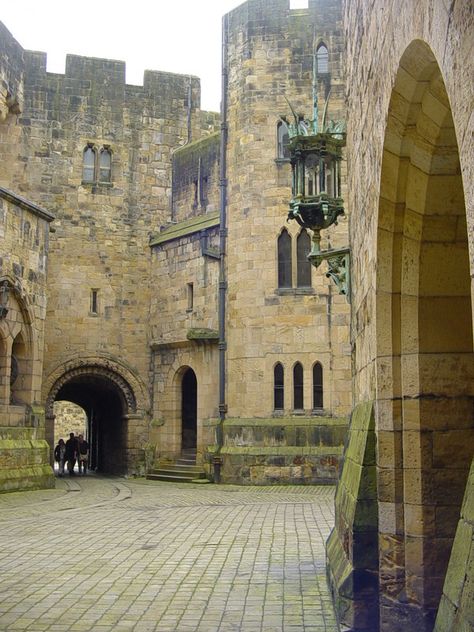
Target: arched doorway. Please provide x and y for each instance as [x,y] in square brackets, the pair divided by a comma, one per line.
[189,410]
[425,362]
[109,405]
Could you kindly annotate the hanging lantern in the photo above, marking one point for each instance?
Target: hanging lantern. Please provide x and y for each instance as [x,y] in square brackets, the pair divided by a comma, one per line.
[316,201]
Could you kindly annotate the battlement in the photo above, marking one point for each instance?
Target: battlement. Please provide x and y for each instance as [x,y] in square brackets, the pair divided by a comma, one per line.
[277,11]
[83,74]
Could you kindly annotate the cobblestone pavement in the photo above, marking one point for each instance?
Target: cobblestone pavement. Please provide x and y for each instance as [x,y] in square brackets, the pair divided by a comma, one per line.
[109,554]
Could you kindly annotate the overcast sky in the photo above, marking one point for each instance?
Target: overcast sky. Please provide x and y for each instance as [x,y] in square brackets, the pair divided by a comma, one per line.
[181,36]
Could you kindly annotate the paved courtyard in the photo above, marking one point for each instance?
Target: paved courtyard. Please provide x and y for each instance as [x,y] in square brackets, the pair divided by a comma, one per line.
[110,554]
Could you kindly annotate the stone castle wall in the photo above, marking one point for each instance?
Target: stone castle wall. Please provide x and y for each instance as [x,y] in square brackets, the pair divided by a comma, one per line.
[68,418]
[11,75]
[110,296]
[196,178]
[184,305]
[102,229]
[264,324]
[24,233]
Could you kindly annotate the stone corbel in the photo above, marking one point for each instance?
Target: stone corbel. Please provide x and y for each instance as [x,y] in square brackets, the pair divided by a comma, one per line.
[338,267]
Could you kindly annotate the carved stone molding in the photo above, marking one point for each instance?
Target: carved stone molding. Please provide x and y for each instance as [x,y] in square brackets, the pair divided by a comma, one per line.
[133,392]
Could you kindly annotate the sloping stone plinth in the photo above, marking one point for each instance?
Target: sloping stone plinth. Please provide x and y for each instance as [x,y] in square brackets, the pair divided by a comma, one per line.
[352,547]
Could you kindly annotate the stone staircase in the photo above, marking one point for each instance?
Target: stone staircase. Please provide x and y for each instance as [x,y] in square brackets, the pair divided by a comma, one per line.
[183,470]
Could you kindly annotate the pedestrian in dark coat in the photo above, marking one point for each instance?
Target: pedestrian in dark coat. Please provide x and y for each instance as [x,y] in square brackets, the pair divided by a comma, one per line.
[71,453]
[60,455]
[82,454]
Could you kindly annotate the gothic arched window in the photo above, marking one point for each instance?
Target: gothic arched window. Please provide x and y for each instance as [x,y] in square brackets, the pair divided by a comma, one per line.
[317,385]
[283,139]
[278,387]
[105,165]
[303,269]
[88,164]
[322,60]
[298,386]
[284,260]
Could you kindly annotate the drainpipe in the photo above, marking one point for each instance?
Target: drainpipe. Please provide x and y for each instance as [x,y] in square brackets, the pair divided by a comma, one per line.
[222,252]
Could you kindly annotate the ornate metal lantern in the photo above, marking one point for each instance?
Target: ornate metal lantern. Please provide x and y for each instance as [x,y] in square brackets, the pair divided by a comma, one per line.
[316,201]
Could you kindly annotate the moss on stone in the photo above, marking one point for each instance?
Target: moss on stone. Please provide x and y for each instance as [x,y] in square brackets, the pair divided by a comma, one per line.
[286,421]
[31,477]
[202,333]
[284,450]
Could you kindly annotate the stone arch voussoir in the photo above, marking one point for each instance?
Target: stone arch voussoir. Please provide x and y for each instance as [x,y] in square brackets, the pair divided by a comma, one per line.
[131,387]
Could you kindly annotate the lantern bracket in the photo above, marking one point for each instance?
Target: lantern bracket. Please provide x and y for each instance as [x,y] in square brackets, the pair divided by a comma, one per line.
[338,260]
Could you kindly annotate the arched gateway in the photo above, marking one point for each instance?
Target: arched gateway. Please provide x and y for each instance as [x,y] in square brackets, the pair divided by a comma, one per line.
[115,404]
[425,367]
[411,443]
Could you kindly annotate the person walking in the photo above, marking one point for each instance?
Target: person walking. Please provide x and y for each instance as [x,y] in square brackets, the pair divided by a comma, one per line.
[60,456]
[82,454]
[71,453]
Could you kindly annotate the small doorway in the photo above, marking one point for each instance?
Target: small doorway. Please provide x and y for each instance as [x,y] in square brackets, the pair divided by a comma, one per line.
[189,411]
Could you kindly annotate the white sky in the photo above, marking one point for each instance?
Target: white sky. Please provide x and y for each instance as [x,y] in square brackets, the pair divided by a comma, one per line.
[181,36]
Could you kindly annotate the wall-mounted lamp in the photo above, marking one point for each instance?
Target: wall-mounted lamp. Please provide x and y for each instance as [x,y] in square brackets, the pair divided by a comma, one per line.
[316,201]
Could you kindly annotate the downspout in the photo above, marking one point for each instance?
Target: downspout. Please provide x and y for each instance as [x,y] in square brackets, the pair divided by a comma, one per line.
[222,253]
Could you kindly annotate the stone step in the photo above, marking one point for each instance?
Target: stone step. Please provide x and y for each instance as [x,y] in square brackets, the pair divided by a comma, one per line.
[186,462]
[172,478]
[179,472]
[187,456]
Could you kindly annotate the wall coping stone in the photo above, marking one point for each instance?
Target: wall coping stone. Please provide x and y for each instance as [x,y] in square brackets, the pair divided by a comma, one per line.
[188,227]
[26,204]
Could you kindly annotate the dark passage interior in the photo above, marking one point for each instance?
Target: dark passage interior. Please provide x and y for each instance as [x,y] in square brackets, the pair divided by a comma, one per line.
[105,409]
[189,410]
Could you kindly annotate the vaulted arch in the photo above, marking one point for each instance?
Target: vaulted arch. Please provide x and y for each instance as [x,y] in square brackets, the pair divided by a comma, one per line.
[425,362]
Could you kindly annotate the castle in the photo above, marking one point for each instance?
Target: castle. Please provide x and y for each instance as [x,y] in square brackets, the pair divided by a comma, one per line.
[136,303]
[148,275]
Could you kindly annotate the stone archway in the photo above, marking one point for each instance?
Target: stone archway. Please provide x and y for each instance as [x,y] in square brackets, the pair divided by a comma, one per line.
[111,396]
[424,358]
